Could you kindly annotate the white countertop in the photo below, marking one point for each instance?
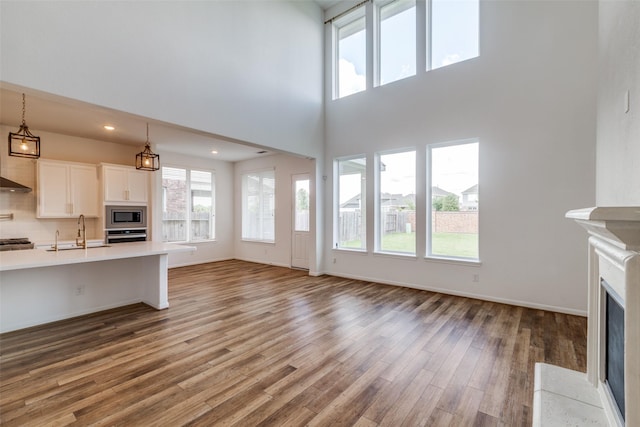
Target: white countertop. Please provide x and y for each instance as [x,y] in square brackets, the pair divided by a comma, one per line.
[34,258]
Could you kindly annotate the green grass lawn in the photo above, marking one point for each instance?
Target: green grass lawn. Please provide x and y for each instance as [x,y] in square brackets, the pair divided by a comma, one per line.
[464,245]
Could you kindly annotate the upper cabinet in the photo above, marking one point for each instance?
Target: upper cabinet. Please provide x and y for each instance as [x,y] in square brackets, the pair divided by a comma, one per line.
[67,189]
[123,184]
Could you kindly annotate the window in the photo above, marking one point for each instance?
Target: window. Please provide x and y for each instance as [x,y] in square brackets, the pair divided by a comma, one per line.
[454,31]
[187,205]
[301,222]
[352,207]
[396,213]
[453,202]
[351,53]
[258,206]
[396,40]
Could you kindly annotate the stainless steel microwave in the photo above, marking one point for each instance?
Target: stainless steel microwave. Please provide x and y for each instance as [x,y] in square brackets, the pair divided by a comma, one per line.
[125,217]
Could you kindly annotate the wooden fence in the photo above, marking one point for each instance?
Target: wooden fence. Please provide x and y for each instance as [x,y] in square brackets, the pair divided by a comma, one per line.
[174,226]
[405,222]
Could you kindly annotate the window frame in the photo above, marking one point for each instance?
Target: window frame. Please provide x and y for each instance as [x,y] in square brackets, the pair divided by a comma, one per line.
[378,203]
[429,201]
[243,205]
[429,36]
[363,204]
[377,40]
[189,203]
[347,19]
[423,43]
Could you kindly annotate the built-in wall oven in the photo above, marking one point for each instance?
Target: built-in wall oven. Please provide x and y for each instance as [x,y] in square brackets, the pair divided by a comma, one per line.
[125,224]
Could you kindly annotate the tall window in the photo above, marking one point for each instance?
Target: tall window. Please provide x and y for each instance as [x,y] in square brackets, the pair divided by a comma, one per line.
[396,213]
[351,53]
[187,205]
[454,31]
[258,206]
[397,40]
[453,205]
[351,230]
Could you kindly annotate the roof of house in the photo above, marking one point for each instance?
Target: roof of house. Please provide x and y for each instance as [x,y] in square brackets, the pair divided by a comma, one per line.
[471,190]
[439,192]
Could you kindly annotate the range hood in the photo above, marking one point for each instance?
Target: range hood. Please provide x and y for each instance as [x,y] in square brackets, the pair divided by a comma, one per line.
[6,185]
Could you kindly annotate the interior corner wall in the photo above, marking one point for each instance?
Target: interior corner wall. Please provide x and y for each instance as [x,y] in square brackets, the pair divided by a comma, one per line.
[221,248]
[530,98]
[279,252]
[618,146]
[249,70]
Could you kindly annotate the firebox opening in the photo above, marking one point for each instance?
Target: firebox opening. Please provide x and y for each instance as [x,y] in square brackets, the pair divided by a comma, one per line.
[614,353]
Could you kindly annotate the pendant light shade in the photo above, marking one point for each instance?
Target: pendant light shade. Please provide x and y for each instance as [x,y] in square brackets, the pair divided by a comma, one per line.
[23,143]
[147,160]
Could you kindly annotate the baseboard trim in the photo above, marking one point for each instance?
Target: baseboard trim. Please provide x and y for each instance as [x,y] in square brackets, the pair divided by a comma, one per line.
[482,297]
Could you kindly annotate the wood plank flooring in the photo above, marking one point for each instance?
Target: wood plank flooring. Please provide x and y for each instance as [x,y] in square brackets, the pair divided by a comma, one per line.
[254,345]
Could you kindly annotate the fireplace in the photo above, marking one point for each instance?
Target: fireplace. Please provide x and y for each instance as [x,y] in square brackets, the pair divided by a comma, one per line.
[607,394]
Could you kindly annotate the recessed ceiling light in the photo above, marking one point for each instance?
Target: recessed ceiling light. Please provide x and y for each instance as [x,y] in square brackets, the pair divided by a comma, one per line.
[109,127]
[214,152]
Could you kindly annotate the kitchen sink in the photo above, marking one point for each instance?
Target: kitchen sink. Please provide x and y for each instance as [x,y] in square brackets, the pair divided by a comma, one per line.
[72,247]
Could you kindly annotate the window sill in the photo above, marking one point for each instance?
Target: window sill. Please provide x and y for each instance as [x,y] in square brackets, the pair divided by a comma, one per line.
[265,242]
[456,261]
[396,255]
[351,251]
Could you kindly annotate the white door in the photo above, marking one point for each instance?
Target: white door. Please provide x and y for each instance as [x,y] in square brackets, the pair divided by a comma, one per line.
[300,222]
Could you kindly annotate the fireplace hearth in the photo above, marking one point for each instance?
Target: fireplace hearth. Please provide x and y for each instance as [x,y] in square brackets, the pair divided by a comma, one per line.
[603,396]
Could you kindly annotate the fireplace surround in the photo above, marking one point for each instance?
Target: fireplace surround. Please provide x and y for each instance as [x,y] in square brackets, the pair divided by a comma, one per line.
[567,397]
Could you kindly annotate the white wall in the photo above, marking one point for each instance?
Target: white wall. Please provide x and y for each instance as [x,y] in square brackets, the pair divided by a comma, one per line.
[222,247]
[279,252]
[249,70]
[530,98]
[618,152]
[24,206]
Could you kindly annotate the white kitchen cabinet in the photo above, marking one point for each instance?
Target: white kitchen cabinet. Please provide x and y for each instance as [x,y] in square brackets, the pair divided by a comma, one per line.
[124,184]
[67,189]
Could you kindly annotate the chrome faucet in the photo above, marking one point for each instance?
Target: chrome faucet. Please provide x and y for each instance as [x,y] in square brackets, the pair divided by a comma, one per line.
[55,246]
[82,232]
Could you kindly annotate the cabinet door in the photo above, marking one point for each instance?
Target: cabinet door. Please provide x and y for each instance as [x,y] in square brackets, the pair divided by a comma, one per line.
[115,184]
[53,194]
[137,186]
[84,190]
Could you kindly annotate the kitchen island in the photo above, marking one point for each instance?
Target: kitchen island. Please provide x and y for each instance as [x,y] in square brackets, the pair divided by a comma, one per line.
[39,286]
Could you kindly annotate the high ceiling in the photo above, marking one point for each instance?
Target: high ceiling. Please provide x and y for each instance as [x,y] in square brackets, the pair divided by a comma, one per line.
[50,113]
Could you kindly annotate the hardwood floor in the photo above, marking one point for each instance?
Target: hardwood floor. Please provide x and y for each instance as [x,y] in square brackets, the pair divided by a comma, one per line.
[248,344]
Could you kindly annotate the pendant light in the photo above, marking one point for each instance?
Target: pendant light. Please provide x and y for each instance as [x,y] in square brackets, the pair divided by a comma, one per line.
[23,143]
[147,160]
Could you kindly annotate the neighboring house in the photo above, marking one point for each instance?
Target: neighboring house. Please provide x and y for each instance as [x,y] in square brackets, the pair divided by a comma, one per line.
[470,199]
[439,192]
[353,203]
[398,201]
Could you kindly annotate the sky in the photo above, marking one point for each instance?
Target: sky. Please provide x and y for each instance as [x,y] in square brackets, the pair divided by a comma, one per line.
[454,168]
[455,32]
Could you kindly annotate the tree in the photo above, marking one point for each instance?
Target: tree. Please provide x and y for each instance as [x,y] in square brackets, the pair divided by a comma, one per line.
[302,200]
[447,203]
[450,203]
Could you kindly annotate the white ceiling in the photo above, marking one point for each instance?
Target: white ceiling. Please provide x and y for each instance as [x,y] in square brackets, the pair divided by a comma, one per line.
[326,4]
[50,113]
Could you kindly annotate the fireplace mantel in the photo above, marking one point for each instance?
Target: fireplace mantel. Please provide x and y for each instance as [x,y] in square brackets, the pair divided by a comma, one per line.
[614,264]
[619,226]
